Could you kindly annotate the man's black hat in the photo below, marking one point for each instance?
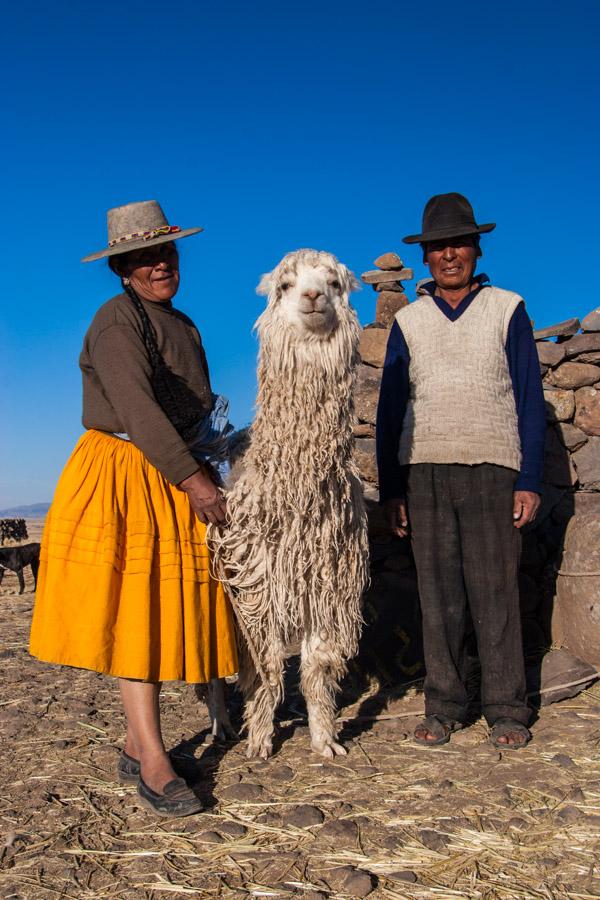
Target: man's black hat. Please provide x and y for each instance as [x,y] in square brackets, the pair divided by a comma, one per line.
[447,216]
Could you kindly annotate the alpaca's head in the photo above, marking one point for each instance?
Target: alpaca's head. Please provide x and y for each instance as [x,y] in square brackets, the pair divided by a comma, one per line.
[309,291]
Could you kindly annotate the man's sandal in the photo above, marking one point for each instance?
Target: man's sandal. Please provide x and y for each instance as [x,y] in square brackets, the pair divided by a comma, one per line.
[504,726]
[440,726]
[177,799]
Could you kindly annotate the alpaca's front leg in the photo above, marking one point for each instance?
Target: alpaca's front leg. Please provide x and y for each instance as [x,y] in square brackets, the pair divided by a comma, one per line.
[221,727]
[321,669]
[261,701]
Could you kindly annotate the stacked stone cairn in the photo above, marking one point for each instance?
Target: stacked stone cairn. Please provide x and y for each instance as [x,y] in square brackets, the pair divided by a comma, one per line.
[560,567]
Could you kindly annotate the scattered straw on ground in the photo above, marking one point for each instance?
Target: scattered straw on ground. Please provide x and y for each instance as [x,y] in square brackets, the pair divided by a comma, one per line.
[462,820]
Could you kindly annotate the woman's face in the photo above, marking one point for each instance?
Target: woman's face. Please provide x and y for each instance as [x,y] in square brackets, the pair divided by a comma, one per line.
[153,272]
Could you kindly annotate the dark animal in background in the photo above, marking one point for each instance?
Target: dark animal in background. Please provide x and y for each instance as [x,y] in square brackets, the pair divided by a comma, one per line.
[13,530]
[16,558]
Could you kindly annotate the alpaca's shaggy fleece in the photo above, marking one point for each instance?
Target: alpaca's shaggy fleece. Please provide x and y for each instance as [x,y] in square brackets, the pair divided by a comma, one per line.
[294,554]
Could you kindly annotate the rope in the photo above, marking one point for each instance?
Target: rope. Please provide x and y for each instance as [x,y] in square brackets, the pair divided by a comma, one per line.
[568,574]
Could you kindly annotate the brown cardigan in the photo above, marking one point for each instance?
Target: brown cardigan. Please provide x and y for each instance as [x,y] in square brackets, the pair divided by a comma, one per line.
[117,392]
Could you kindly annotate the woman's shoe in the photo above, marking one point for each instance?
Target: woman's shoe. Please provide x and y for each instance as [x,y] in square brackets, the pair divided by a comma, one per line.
[177,799]
[128,768]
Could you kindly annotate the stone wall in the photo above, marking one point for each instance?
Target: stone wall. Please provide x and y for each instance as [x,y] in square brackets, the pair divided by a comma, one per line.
[560,594]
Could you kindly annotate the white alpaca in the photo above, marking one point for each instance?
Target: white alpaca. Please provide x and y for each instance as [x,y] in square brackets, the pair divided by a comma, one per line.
[294,555]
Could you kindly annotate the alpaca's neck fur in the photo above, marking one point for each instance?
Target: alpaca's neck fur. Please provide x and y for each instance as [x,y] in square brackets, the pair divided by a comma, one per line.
[305,408]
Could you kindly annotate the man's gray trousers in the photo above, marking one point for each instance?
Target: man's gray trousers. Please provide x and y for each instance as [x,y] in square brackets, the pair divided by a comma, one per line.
[467,551]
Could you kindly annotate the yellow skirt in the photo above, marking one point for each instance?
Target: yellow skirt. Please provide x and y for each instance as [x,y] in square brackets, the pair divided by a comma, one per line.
[124,585]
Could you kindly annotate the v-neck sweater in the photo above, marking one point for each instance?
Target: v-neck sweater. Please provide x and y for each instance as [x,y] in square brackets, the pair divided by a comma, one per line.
[117,390]
[521,359]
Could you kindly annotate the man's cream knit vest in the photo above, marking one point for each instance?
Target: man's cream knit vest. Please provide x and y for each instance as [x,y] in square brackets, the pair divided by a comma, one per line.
[461,407]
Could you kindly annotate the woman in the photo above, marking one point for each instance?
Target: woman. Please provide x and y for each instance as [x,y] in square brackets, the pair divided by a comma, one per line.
[124,584]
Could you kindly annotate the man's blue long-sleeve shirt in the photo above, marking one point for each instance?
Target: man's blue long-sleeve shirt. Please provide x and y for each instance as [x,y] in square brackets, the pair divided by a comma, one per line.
[524,371]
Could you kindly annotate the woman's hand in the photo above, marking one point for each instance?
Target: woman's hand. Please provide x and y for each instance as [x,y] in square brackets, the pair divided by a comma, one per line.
[205,498]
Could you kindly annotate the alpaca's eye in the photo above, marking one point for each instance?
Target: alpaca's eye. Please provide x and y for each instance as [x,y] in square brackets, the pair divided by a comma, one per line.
[335,284]
[285,286]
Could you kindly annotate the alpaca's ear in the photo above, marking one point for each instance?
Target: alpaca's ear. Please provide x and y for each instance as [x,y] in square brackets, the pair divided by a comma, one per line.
[352,281]
[265,284]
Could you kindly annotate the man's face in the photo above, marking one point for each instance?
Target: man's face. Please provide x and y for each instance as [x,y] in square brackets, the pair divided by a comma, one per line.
[452,261]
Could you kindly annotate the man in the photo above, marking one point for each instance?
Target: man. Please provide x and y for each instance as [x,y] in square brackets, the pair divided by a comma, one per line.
[460,444]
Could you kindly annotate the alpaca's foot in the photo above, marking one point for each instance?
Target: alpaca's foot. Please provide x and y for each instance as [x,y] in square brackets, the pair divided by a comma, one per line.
[221,728]
[329,749]
[262,749]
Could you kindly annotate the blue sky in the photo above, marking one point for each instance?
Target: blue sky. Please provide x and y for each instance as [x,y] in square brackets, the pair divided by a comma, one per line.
[276,126]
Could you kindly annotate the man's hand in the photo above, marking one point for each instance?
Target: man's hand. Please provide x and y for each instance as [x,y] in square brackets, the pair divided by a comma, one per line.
[205,498]
[525,507]
[395,513]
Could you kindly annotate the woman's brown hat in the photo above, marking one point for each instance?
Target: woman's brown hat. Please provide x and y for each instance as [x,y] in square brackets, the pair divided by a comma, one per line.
[137,225]
[447,216]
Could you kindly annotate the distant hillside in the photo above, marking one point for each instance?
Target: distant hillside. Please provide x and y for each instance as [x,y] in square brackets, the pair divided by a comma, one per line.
[33,511]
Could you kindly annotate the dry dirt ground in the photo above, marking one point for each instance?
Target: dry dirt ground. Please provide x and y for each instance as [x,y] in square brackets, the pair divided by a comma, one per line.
[401,821]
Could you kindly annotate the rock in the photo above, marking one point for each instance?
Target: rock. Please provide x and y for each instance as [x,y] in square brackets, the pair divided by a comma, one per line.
[560,405]
[581,343]
[564,761]
[364,455]
[560,677]
[388,304]
[303,816]
[402,875]
[350,881]
[210,837]
[549,353]
[269,818]
[366,394]
[389,261]
[593,357]
[375,276]
[340,832]
[587,410]
[576,612]
[433,840]
[395,287]
[591,322]
[373,343]
[361,429]
[571,375]
[558,466]
[282,773]
[587,463]
[568,327]
[245,790]
[569,814]
[586,502]
[232,829]
[570,435]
